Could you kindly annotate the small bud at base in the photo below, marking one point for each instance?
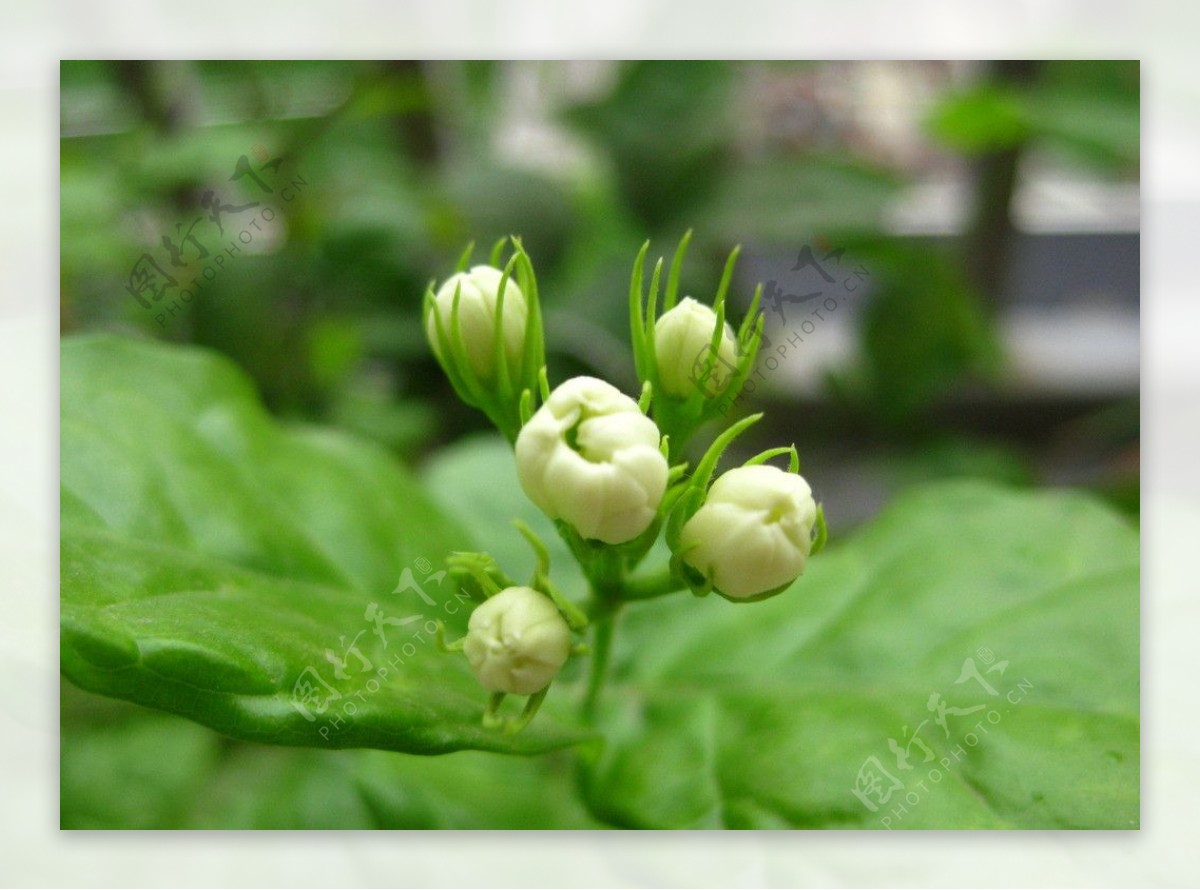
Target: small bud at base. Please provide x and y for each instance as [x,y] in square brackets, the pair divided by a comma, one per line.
[517,642]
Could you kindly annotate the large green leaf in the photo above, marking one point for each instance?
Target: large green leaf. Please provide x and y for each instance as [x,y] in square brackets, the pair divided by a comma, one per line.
[215,564]
[763,715]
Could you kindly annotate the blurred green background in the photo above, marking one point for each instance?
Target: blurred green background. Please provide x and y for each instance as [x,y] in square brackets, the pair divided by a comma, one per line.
[992,206]
[990,211]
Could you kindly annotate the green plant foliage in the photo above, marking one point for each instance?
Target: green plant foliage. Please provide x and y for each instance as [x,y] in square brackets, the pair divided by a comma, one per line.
[985,118]
[125,767]
[668,127]
[740,717]
[923,332]
[1091,111]
[238,645]
[210,557]
[1102,129]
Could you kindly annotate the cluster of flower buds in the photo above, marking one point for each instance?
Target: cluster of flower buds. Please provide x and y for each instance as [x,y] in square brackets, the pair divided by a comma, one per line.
[607,468]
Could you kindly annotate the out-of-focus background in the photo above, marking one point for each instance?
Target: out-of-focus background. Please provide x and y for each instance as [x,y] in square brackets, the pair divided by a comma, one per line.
[976,226]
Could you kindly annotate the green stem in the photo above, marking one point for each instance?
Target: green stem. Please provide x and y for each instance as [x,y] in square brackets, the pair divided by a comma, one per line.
[654,584]
[601,646]
[611,588]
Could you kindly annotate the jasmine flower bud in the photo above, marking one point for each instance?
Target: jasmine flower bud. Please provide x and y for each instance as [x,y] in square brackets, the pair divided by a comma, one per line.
[683,349]
[590,457]
[477,320]
[517,642]
[753,534]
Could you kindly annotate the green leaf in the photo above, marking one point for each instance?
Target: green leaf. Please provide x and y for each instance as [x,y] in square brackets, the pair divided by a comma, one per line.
[918,289]
[1101,127]
[763,716]
[984,118]
[667,126]
[212,559]
[126,767]
[1101,124]
[721,715]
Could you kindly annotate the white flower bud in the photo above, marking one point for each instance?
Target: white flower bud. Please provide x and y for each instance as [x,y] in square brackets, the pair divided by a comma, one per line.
[683,346]
[590,457]
[753,533]
[477,320]
[517,641]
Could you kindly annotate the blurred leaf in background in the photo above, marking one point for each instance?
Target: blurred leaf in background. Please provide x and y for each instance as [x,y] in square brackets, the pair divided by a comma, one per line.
[1088,109]
[128,768]
[924,331]
[667,128]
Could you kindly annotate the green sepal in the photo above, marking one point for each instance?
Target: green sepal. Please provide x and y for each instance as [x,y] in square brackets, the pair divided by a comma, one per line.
[464,258]
[763,456]
[532,704]
[480,568]
[575,617]
[440,640]
[497,252]
[672,295]
[512,725]
[821,532]
[708,463]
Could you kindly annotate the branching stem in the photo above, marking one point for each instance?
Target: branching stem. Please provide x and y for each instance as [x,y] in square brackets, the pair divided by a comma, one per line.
[601,646]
